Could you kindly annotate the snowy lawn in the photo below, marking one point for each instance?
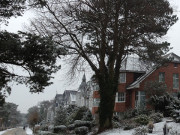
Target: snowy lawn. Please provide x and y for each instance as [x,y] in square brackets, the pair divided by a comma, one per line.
[158,129]
[29,131]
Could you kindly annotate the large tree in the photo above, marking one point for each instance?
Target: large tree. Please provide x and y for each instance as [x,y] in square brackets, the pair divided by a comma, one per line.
[34,55]
[101,33]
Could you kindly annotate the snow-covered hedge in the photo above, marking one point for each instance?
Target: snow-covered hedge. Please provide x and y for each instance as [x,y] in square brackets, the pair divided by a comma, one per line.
[60,128]
[142,119]
[45,133]
[81,130]
[156,117]
[79,123]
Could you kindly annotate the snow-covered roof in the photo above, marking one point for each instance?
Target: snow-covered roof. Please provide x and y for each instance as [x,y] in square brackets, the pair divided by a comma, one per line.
[175,58]
[133,64]
[140,79]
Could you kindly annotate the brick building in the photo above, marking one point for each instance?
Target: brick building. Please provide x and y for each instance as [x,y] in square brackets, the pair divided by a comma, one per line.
[133,76]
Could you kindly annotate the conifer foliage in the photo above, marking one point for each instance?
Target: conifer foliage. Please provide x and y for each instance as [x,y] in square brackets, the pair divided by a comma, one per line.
[101,33]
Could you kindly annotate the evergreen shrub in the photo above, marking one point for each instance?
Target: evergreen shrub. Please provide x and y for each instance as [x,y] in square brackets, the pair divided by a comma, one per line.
[142,119]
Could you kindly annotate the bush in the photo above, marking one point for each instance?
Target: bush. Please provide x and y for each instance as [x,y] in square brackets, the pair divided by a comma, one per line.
[156,117]
[45,133]
[142,119]
[81,130]
[140,131]
[60,129]
[160,103]
[51,128]
[71,127]
[128,127]
[44,128]
[79,123]
[135,112]
[83,113]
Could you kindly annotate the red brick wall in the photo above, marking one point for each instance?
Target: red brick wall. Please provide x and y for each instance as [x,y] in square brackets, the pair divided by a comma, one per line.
[94,110]
[169,70]
[96,94]
[120,107]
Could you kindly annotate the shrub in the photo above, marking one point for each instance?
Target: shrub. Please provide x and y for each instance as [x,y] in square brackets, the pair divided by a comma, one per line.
[83,113]
[142,119]
[81,130]
[156,117]
[140,131]
[160,103]
[71,127]
[128,127]
[79,123]
[60,129]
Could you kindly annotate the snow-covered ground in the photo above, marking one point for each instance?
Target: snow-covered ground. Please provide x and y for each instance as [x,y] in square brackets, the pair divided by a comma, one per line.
[29,131]
[2,132]
[158,129]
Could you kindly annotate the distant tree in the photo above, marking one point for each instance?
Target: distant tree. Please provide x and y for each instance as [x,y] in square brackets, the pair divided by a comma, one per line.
[101,33]
[43,108]
[33,116]
[10,115]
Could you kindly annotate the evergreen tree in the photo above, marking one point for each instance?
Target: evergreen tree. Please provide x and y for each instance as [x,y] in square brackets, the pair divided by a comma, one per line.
[33,54]
[103,32]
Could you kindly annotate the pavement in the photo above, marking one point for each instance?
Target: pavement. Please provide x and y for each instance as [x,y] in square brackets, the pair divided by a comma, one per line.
[16,131]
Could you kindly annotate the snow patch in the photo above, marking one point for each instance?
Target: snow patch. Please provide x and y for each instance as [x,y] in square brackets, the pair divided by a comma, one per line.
[29,131]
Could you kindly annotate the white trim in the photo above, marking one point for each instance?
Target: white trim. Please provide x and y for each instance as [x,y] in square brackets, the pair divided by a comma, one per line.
[117,97]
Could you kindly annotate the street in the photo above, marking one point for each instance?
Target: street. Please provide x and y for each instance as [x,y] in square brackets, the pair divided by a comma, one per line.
[16,131]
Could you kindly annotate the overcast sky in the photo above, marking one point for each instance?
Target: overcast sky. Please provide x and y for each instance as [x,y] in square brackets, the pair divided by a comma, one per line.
[20,94]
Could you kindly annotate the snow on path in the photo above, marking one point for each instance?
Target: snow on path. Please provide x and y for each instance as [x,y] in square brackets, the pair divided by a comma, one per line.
[2,132]
[158,129]
[29,131]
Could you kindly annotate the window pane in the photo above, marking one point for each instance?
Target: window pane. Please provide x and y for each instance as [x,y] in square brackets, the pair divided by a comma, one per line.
[122,78]
[176,81]
[121,96]
[161,76]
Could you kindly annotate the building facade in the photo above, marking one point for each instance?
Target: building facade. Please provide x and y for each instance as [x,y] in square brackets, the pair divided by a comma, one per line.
[134,74]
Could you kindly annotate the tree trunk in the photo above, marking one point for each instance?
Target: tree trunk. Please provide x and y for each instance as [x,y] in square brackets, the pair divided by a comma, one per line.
[106,107]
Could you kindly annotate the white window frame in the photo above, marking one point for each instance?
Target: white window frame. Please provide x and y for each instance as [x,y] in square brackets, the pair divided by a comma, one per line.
[161,76]
[122,96]
[124,78]
[175,80]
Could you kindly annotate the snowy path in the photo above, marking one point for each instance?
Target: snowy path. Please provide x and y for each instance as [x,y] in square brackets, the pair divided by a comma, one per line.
[16,131]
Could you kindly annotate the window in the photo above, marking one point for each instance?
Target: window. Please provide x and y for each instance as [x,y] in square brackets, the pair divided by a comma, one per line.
[120,97]
[96,102]
[176,81]
[175,65]
[161,76]
[140,99]
[122,78]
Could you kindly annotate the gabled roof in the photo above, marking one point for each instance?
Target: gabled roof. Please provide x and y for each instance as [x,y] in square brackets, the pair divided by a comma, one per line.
[175,58]
[133,64]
